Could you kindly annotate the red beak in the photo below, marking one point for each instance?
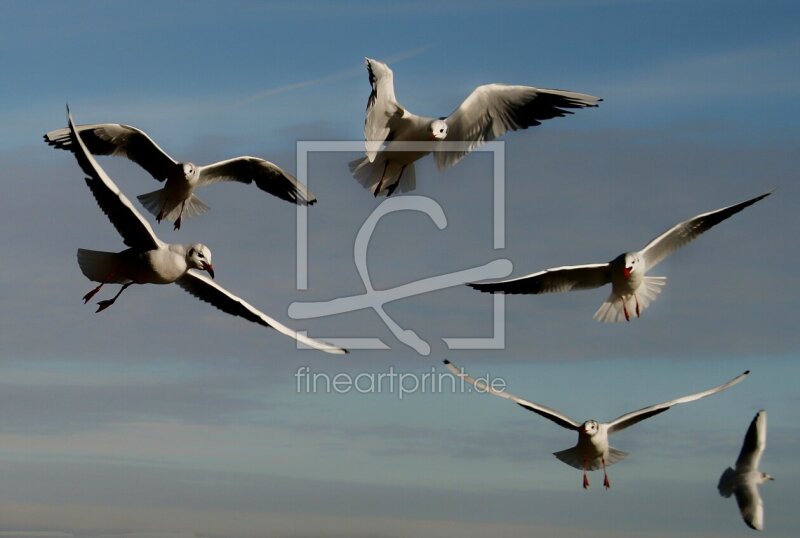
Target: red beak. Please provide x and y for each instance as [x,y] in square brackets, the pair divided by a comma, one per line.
[626,272]
[208,267]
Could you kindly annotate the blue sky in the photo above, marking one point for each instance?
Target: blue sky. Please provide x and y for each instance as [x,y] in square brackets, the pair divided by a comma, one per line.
[163,417]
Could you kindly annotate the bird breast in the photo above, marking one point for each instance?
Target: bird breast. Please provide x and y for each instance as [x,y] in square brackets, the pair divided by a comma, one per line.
[593,446]
[162,266]
[626,286]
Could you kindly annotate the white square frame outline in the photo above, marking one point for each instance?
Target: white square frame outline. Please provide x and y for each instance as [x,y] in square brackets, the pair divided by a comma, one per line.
[496,148]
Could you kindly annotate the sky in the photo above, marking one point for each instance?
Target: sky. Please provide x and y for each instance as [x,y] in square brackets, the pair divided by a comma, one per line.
[162,417]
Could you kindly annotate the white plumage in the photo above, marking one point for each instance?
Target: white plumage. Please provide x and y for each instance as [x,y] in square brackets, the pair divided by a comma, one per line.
[148,260]
[176,200]
[631,290]
[592,450]
[743,481]
[488,112]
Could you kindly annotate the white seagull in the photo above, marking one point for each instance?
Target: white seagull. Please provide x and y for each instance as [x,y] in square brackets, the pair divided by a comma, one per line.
[488,112]
[743,481]
[177,199]
[592,451]
[631,290]
[151,261]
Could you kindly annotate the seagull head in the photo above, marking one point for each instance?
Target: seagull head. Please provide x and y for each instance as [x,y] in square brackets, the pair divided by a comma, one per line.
[766,477]
[438,130]
[199,257]
[590,427]
[631,262]
[189,170]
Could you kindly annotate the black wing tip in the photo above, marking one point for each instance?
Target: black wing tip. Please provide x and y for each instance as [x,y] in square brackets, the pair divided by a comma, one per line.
[746,372]
[483,288]
[447,361]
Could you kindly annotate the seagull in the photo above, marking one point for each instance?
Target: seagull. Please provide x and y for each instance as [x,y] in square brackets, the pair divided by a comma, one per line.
[488,112]
[743,481]
[592,451]
[177,199]
[631,289]
[148,260]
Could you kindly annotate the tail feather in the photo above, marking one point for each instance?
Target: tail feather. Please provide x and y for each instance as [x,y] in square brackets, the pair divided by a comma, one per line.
[100,266]
[574,458]
[726,483]
[613,309]
[382,177]
[155,201]
[194,206]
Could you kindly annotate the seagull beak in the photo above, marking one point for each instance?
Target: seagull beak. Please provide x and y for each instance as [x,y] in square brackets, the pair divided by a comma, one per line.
[208,267]
[626,272]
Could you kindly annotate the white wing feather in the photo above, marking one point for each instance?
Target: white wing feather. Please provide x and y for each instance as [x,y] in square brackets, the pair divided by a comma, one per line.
[755,441]
[493,109]
[548,413]
[118,140]
[267,176]
[629,419]
[556,279]
[688,230]
[136,232]
[209,291]
[382,106]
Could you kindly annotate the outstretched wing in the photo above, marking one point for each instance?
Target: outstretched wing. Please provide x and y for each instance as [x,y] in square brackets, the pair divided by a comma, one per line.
[755,441]
[684,232]
[382,106]
[131,225]
[629,419]
[557,279]
[550,414]
[267,176]
[119,140]
[492,109]
[209,291]
[750,505]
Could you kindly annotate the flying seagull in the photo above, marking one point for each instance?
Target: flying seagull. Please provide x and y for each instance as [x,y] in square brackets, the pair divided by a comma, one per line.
[148,260]
[488,112]
[631,290]
[177,199]
[743,481]
[592,451]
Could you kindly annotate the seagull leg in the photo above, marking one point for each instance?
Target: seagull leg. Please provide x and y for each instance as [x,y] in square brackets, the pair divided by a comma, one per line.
[637,305]
[585,478]
[92,293]
[606,482]
[625,309]
[108,302]
[391,189]
[378,187]
[180,216]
